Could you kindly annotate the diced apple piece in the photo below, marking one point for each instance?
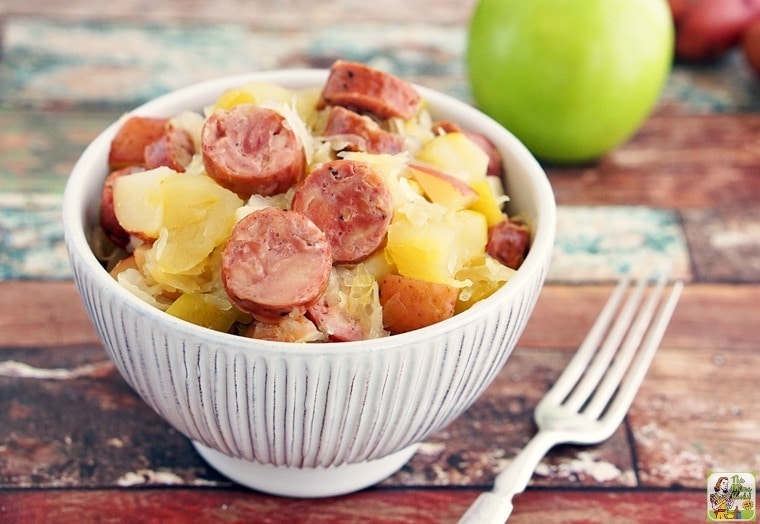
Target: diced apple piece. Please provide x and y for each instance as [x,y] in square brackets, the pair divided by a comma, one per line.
[128,146]
[456,155]
[435,250]
[139,203]
[410,304]
[196,309]
[444,189]
[486,203]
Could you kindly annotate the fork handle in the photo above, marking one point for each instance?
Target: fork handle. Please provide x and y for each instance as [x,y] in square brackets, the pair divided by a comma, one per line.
[495,506]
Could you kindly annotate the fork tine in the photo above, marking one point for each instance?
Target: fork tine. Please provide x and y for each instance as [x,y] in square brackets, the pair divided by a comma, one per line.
[622,359]
[630,385]
[588,383]
[574,369]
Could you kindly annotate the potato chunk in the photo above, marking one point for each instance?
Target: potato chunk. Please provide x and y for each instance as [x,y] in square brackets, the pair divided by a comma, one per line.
[436,249]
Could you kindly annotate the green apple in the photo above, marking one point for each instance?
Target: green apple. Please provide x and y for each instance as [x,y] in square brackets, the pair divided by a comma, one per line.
[572,79]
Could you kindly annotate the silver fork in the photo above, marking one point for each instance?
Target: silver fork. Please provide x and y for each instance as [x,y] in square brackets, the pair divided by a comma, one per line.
[592,395]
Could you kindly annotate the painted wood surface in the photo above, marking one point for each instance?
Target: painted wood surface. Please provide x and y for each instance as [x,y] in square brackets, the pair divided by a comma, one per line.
[684,192]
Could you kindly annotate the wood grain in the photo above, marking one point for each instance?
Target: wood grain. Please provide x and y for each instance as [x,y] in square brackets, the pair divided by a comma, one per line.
[372,506]
[674,161]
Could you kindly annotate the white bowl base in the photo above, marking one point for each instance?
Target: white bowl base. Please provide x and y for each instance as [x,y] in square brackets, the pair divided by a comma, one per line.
[305,482]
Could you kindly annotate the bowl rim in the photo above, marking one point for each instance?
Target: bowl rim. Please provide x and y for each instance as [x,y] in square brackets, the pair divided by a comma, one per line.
[76,209]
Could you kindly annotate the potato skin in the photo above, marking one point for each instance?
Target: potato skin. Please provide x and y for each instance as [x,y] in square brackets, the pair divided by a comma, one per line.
[410,304]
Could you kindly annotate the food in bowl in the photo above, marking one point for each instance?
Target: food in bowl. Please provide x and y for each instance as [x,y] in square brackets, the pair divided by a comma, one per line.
[340,212]
[307,420]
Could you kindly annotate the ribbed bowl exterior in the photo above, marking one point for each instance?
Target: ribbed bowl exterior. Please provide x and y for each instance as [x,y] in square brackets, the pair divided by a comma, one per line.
[308,409]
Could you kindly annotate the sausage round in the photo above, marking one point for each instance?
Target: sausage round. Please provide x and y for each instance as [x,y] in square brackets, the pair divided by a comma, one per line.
[361,133]
[508,243]
[366,89]
[250,150]
[351,203]
[275,262]
[108,221]
[128,146]
[174,149]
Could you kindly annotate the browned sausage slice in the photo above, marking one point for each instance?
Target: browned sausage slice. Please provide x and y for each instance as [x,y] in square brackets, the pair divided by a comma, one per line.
[351,203]
[361,133]
[250,150]
[108,221]
[508,243]
[275,262]
[365,89]
[128,146]
[174,149]
[338,326]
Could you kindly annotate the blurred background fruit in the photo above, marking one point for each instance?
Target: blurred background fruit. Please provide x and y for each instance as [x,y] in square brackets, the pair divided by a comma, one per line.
[572,79]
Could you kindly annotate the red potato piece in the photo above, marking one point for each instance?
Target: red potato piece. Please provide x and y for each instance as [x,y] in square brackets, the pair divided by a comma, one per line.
[275,262]
[495,167]
[508,243]
[251,150]
[174,149]
[410,304]
[128,146]
[351,203]
[361,132]
[108,221]
[365,89]
[708,29]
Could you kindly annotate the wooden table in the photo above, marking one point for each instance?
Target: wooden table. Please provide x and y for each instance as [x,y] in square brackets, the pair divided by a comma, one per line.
[77,443]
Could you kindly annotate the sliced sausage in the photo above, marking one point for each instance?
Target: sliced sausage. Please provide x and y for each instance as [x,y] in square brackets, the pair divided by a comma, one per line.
[365,89]
[289,329]
[351,203]
[275,262]
[174,149]
[495,167]
[108,222]
[251,150]
[128,146]
[335,323]
[361,133]
[508,243]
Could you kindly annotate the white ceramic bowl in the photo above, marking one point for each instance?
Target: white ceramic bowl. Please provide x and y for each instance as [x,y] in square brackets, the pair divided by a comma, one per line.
[318,419]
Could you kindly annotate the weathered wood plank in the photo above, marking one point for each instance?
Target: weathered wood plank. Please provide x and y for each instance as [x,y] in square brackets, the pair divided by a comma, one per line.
[674,161]
[43,313]
[72,421]
[708,316]
[373,506]
[696,413]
